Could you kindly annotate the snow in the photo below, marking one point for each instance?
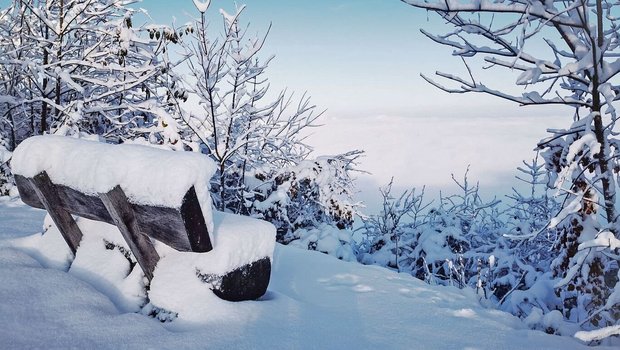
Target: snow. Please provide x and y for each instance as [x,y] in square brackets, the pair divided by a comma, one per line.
[202,6]
[103,260]
[598,334]
[603,239]
[5,155]
[589,140]
[237,241]
[327,239]
[147,175]
[313,301]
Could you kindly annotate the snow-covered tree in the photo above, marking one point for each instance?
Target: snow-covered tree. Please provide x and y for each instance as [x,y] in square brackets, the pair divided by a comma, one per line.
[566,54]
[237,124]
[15,124]
[530,213]
[387,235]
[255,136]
[82,66]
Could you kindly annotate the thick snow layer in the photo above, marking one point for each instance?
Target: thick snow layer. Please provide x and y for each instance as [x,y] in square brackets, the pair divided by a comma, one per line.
[599,333]
[147,175]
[103,260]
[238,241]
[202,6]
[314,302]
[326,239]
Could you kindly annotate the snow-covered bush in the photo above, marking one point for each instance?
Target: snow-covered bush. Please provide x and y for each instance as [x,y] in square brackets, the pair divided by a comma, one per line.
[442,245]
[326,238]
[529,216]
[462,232]
[388,235]
[307,195]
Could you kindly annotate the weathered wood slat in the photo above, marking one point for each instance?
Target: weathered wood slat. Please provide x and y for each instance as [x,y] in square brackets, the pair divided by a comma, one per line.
[194,223]
[163,224]
[48,196]
[245,283]
[27,193]
[124,217]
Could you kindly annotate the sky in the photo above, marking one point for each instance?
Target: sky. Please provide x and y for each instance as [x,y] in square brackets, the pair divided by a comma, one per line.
[361,61]
[353,57]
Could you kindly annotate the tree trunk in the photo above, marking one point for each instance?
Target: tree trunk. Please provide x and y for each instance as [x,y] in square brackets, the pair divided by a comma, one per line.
[45,83]
[609,192]
[222,190]
[59,58]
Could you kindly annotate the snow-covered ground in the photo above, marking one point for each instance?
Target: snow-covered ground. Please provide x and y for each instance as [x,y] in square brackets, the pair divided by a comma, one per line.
[314,302]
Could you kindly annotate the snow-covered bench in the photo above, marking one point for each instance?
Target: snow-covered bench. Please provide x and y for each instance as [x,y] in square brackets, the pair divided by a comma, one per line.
[148,194]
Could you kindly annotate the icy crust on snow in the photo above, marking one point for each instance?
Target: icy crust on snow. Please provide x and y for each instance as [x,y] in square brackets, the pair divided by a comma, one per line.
[147,175]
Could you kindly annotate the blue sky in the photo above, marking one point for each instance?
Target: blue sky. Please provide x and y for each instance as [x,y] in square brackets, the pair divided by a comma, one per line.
[361,60]
[355,56]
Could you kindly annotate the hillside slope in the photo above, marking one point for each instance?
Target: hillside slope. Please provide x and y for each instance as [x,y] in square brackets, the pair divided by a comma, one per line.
[314,302]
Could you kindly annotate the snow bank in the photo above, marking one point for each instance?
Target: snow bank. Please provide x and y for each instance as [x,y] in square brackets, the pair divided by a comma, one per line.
[103,260]
[314,302]
[239,240]
[598,334]
[147,175]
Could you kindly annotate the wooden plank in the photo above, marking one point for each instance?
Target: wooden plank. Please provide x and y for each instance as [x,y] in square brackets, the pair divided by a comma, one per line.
[27,192]
[48,195]
[248,282]
[124,217]
[163,224]
[77,203]
[194,223]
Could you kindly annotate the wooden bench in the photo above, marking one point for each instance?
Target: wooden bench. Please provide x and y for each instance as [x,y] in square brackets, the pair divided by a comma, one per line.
[183,229]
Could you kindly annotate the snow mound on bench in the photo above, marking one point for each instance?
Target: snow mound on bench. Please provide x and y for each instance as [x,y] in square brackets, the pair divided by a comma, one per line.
[147,175]
[238,240]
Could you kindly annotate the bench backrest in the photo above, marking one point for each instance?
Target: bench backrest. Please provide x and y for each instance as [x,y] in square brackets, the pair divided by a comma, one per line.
[183,228]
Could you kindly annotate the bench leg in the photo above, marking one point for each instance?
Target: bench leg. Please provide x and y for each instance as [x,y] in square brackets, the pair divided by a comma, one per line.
[47,193]
[124,217]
